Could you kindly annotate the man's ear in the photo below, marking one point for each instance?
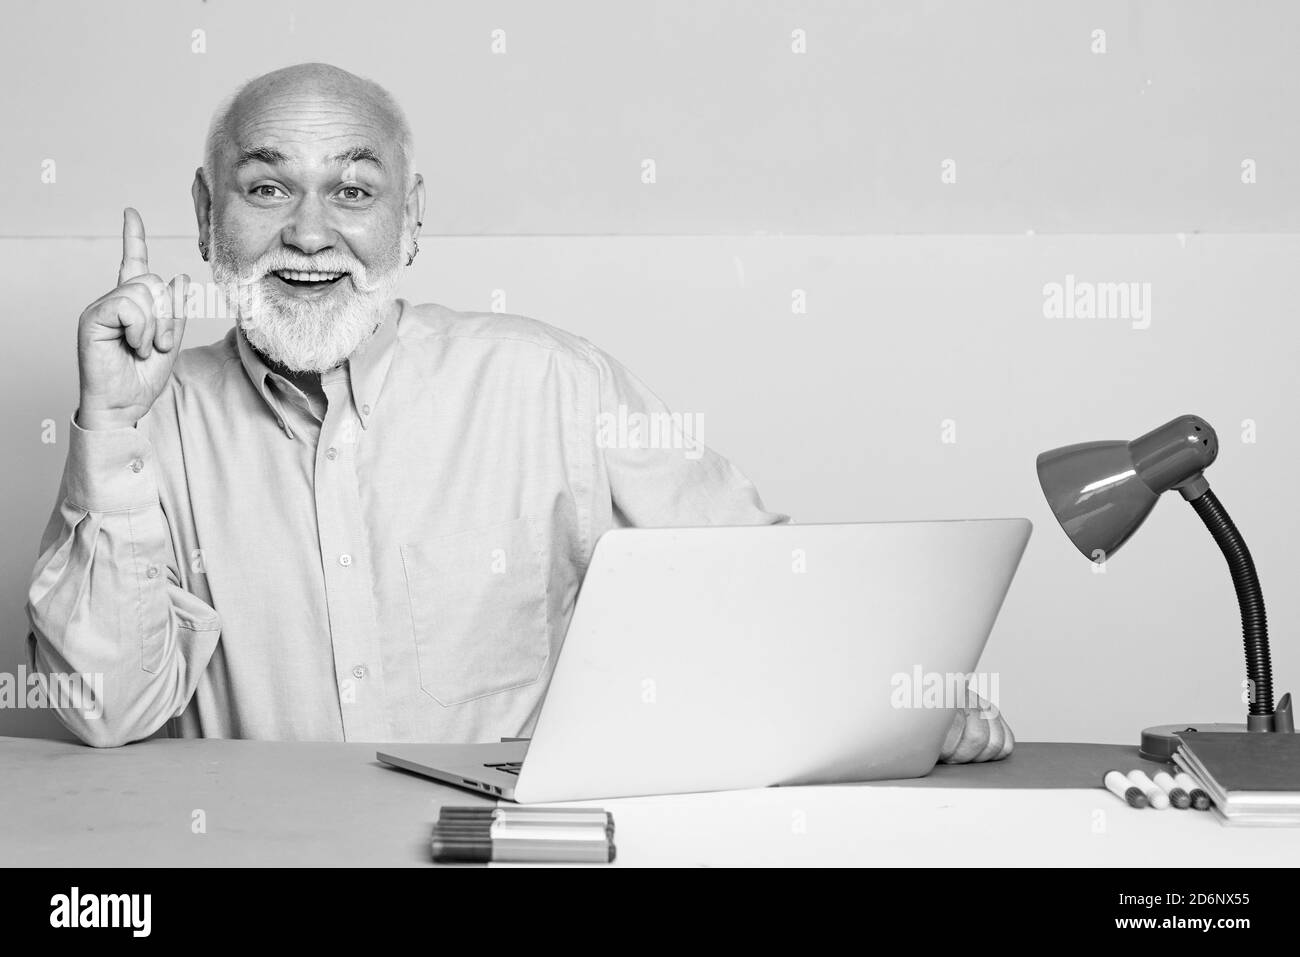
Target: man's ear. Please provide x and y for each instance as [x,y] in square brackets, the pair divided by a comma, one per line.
[202,211]
[415,205]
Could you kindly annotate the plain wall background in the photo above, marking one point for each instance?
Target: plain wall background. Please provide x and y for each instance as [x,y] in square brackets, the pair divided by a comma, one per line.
[776,172]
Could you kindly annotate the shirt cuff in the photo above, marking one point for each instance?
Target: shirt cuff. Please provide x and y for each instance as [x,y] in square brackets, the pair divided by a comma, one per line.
[109,470]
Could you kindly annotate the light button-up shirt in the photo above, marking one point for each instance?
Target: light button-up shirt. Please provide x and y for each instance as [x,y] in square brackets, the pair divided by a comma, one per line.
[401,567]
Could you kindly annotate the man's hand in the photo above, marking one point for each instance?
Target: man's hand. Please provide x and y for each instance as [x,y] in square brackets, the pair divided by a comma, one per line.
[128,339]
[977,734]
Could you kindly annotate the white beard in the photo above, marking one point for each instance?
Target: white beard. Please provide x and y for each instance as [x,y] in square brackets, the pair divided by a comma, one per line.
[303,335]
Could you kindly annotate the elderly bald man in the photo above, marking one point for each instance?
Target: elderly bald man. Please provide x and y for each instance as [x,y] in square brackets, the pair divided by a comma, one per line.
[353,518]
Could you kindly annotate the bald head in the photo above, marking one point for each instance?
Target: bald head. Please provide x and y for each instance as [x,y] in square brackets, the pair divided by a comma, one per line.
[308,198]
[319,96]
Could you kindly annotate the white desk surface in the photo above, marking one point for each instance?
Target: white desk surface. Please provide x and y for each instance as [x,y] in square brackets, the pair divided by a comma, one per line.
[318,804]
[866,826]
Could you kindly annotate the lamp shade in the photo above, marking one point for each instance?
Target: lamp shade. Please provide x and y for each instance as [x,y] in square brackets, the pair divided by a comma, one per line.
[1095,493]
[1101,492]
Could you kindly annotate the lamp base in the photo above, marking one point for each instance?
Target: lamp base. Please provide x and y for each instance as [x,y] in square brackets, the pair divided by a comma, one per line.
[1160,742]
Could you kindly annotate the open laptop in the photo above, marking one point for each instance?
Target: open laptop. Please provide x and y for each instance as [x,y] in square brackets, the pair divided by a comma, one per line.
[704,659]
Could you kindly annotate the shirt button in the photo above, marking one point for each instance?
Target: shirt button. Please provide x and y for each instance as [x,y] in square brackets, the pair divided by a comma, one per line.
[137,465]
[345,560]
[359,671]
[152,571]
[365,410]
[331,453]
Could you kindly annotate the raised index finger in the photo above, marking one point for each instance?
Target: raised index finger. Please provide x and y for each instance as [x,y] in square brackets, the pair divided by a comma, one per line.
[135,255]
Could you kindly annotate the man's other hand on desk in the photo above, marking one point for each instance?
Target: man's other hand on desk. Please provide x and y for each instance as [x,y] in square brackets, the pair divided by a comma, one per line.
[977,734]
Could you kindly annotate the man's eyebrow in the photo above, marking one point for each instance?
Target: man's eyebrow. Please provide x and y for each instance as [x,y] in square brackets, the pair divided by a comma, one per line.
[358,154]
[260,154]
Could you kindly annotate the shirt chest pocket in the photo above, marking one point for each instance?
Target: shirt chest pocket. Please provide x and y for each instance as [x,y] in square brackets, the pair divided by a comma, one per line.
[478,611]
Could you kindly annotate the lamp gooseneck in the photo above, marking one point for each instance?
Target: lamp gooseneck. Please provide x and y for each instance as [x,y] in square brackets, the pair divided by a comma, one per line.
[1254,623]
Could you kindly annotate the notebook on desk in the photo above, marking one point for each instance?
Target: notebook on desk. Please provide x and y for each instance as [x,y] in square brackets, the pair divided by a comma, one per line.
[1253,777]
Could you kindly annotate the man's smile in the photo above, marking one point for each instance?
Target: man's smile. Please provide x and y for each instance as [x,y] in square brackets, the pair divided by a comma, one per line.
[307,284]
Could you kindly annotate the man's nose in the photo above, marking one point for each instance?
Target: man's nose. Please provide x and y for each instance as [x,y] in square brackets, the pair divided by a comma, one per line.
[309,230]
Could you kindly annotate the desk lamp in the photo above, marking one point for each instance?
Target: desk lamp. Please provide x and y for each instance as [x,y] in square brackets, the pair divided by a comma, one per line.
[1101,492]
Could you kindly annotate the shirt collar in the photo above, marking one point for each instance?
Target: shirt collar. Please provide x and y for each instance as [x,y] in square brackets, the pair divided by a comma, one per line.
[367,369]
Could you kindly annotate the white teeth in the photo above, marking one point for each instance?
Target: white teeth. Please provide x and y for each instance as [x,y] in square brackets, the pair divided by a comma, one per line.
[299,276]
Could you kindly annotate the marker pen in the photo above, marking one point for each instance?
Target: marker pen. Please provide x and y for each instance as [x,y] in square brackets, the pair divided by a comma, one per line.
[1124,789]
[1177,796]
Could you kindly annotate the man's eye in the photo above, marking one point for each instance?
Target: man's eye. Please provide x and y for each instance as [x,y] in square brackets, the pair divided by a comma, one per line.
[267,191]
[353,193]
